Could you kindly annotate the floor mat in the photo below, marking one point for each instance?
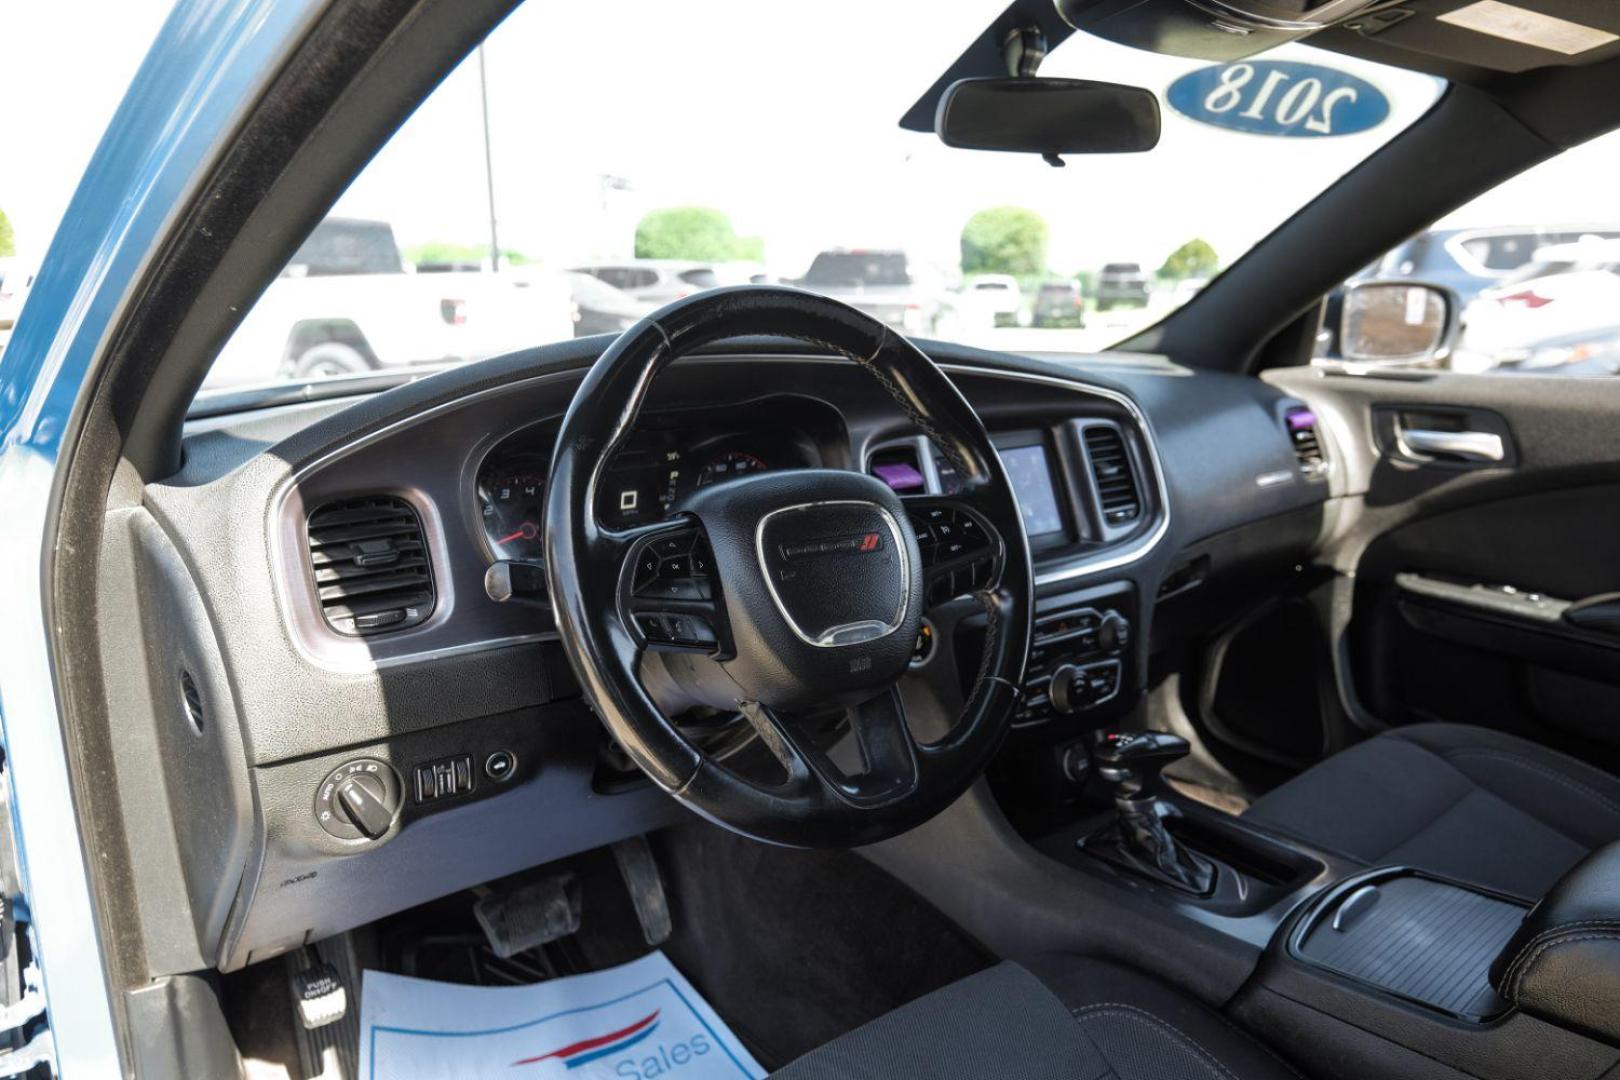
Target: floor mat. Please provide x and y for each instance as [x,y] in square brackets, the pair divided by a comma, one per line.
[794,948]
[641,1019]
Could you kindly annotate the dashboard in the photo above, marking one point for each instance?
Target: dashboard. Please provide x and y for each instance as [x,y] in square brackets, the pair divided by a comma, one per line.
[466,704]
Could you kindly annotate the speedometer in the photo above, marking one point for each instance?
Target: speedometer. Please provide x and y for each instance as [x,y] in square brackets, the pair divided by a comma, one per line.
[730,464]
[513,504]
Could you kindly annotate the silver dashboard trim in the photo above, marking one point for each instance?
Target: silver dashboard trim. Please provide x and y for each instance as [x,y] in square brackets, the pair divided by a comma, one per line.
[855,633]
[323,648]
[314,641]
[1133,550]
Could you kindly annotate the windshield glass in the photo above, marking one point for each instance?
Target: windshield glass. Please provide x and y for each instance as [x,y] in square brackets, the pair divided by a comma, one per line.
[744,156]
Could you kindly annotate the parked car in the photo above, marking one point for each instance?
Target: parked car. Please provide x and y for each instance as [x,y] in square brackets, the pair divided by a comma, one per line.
[347,304]
[883,282]
[654,282]
[996,296]
[1566,289]
[599,308]
[1584,354]
[1122,283]
[1059,304]
[1470,260]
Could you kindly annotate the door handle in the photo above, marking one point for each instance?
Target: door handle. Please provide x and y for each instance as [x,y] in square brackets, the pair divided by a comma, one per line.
[1467,445]
[1600,613]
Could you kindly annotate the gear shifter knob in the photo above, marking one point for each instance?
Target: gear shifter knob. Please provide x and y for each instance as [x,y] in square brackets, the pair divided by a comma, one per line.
[1133,760]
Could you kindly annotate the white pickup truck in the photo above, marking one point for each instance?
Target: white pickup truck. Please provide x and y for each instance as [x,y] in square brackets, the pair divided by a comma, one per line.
[347,303]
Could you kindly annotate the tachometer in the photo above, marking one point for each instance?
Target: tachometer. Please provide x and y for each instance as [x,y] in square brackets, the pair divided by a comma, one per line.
[513,503]
[729,465]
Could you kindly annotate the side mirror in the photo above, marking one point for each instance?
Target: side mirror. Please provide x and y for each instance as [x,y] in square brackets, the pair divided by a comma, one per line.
[1397,323]
[1047,117]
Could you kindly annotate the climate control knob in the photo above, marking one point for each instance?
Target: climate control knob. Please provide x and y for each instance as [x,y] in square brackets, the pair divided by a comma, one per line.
[1068,690]
[1114,632]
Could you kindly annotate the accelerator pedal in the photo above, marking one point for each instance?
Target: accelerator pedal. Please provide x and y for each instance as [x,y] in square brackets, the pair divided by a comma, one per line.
[641,877]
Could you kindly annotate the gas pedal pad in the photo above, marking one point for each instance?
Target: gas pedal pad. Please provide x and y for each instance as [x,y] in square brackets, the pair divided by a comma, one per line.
[528,915]
[641,877]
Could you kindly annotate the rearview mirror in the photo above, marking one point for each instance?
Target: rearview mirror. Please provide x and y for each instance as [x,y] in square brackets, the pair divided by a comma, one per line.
[1397,322]
[1047,116]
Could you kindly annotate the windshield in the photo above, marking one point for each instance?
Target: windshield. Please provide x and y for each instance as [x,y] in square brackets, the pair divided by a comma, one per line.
[744,157]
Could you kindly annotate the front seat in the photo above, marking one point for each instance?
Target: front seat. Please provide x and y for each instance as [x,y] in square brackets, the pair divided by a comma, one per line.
[1465,802]
[1084,1020]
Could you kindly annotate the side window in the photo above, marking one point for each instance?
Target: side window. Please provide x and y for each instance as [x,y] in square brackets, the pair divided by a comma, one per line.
[1531,264]
[639,279]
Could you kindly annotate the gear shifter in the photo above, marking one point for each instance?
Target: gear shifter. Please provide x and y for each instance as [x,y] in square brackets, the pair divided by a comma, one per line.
[1131,762]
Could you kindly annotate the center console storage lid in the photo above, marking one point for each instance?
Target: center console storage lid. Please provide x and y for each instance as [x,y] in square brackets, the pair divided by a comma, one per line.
[1414,936]
[1563,963]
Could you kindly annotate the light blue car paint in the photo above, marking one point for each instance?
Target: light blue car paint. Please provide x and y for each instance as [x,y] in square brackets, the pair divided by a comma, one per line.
[210,61]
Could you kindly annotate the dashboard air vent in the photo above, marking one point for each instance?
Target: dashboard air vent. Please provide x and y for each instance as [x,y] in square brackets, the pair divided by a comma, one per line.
[1307,444]
[900,467]
[1117,491]
[370,559]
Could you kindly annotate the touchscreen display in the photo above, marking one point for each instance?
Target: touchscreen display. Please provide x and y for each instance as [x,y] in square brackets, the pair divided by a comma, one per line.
[1032,484]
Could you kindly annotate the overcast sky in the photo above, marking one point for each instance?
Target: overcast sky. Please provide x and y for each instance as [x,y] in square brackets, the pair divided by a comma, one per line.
[777,114]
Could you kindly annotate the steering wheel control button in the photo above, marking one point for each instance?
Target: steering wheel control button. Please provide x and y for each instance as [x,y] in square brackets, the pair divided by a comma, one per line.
[689,629]
[358,800]
[500,766]
[957,552]
[652,627]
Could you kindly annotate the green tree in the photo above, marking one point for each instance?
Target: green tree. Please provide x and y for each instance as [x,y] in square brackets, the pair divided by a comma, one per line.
[8,243]
[442,251]
[1004,240]
[1194,259]
[693,232]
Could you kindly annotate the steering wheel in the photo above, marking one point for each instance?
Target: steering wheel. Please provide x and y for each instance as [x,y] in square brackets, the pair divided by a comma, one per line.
[794,590]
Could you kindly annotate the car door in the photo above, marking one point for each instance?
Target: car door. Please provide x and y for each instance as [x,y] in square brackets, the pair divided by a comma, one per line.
[1478,570]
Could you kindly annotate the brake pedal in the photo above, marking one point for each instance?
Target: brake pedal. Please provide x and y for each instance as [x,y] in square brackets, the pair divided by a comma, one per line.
[641,877]
[529,915]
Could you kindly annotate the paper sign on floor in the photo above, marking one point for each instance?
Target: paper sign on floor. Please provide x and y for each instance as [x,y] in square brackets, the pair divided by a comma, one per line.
[641,1021]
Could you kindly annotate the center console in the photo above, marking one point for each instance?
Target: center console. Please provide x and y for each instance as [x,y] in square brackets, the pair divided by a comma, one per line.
[1368,971]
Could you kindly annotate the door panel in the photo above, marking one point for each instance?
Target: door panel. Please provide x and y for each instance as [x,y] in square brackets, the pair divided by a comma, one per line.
[1464,569]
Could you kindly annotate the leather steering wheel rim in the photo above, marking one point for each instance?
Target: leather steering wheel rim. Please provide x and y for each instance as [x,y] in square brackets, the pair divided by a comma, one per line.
[587,568]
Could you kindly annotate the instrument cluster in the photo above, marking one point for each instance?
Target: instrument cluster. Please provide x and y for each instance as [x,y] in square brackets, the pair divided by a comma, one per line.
[644,482]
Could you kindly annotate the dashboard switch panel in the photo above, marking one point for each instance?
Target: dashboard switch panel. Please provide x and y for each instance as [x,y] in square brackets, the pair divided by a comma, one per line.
[444,779]
[1076,663]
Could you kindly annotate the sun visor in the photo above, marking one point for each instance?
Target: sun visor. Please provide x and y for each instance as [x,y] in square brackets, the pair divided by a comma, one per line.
[1206,29]
[1500,36]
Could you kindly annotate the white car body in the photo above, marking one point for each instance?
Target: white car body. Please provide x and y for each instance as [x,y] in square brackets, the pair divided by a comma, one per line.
[656,282]
[998,293]
[1186,289]
[393,320]
[1567,289]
